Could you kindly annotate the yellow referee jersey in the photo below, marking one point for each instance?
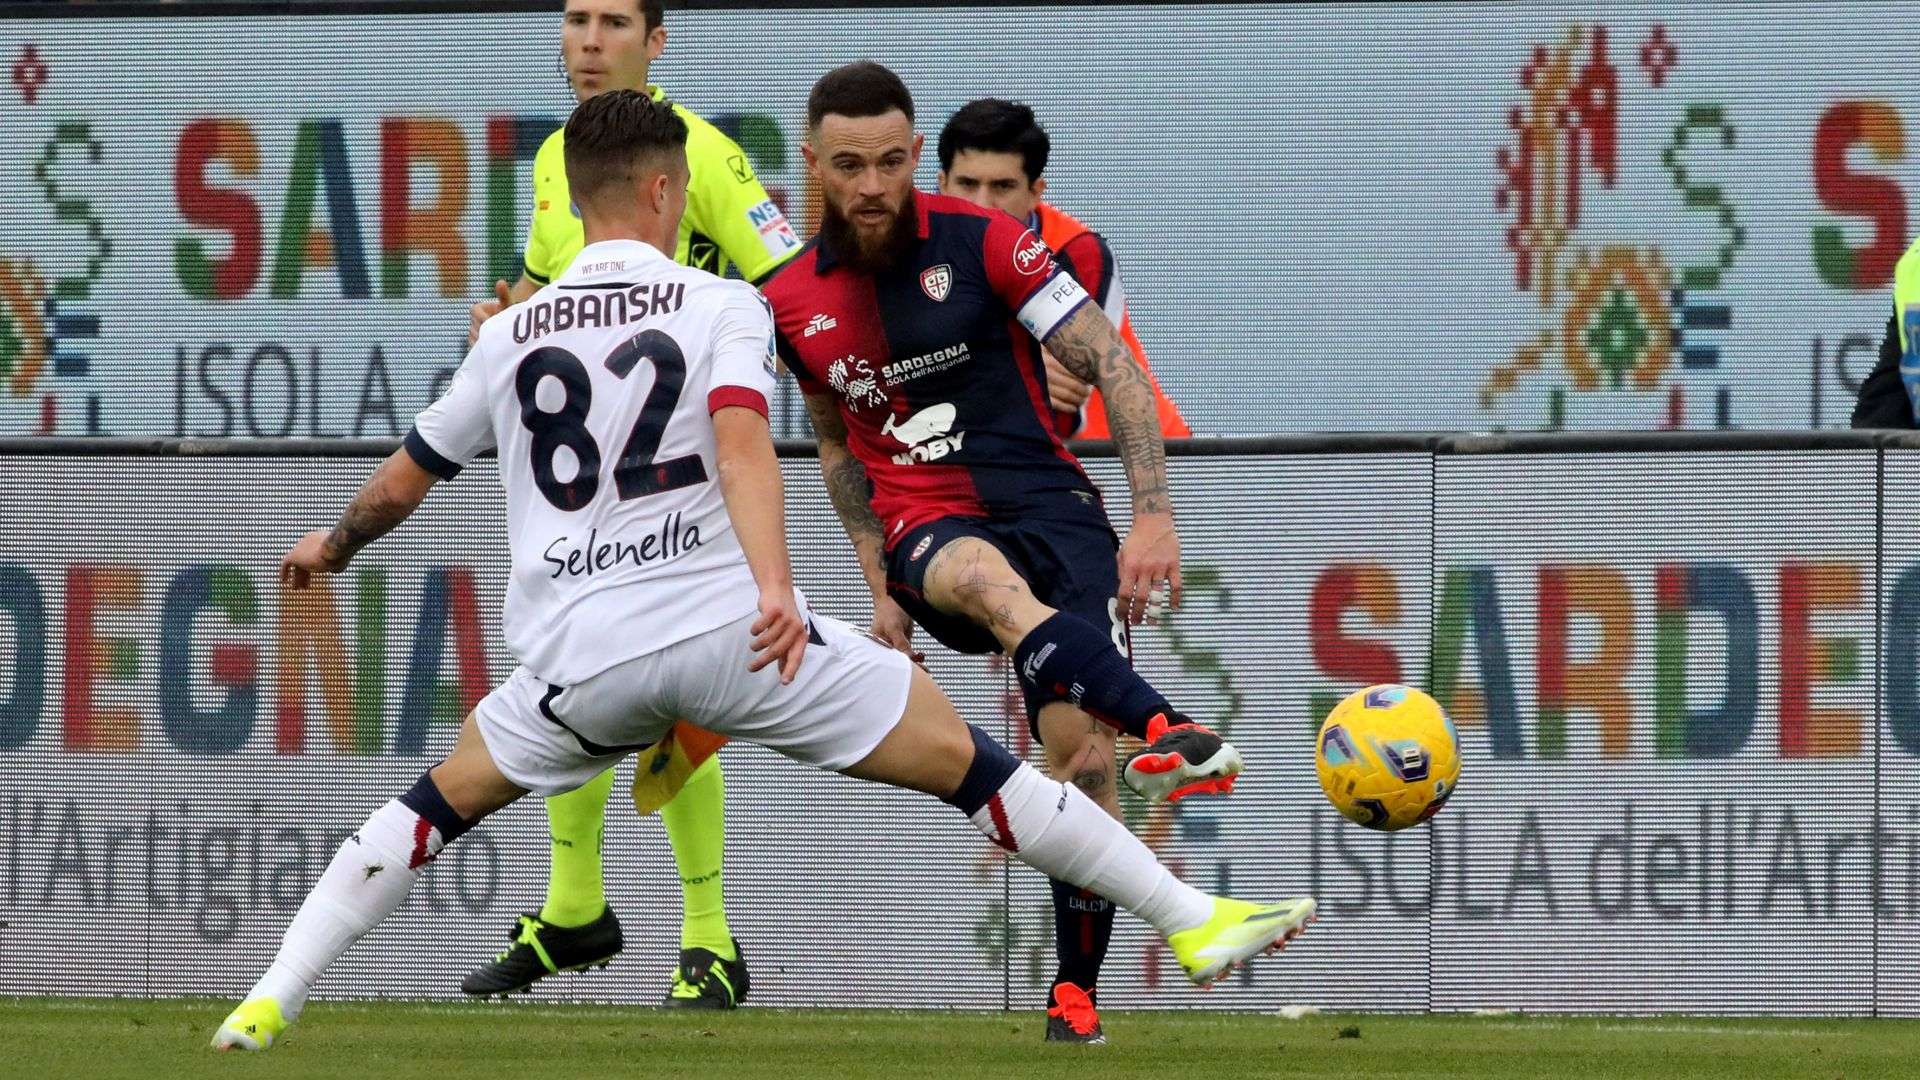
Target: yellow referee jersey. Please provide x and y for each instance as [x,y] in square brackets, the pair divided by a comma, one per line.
[730,220]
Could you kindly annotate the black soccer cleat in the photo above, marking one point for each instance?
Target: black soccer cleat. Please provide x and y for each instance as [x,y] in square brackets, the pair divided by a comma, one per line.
[1182,759]
[1071,1017]
[704,981]
[540,949]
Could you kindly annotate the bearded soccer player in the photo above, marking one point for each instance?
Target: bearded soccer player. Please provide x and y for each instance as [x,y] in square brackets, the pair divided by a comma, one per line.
[913,324]
[633,351]
[992,154]
[730,223]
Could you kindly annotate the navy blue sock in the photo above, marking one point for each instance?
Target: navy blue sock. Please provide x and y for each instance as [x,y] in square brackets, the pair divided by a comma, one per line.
[1082,926]
[992,764]
[1067,659]
[424,798]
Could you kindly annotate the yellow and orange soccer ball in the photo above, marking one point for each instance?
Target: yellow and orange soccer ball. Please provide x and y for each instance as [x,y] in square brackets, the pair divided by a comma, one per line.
[1388,757]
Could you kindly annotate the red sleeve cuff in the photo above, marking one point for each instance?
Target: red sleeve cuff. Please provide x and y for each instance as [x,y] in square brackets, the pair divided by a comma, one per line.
[724,396]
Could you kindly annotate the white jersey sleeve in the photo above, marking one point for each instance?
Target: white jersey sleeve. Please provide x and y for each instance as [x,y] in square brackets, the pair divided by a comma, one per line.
[454,430]
[744,363]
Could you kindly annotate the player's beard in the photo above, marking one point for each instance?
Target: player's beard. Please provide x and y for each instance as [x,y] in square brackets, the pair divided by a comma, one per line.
[876,255]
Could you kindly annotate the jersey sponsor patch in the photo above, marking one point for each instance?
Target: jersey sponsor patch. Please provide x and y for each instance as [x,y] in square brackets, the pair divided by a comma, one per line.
[1030,255]
[854,378]
[937,281]
[819,324]
[926,364]
[737,165]
[928,434]
[772,225]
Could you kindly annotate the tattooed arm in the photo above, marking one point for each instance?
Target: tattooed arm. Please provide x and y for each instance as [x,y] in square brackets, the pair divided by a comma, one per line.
[1087,345]
[393,492]
[852,495]
[850,490]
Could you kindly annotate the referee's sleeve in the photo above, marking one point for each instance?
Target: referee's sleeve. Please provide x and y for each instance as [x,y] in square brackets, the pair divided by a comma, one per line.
[725,201]
[1884,402]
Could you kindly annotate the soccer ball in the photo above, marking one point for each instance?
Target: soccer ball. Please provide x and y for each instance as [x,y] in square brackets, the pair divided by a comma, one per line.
[1388,757]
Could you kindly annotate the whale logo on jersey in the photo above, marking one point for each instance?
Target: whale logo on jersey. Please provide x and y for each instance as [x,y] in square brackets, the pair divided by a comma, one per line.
[854,378]
[925,434]
[937,281]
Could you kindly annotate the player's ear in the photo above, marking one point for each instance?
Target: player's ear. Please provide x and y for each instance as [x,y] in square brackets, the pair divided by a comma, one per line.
[941,182]
[656,43]
[807,155]
[919,141]
[1039,187]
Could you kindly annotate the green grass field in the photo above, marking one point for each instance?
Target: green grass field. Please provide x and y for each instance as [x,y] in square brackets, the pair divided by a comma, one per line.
[43,1039]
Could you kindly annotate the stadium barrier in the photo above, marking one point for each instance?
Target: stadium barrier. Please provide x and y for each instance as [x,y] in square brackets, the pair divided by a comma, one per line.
[1685,670]
[270,218]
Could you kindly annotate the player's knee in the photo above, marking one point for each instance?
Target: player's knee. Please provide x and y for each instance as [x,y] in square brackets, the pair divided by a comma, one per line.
[974,579]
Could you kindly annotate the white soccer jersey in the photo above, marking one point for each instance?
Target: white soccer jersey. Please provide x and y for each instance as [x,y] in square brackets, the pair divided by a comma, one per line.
[598,393]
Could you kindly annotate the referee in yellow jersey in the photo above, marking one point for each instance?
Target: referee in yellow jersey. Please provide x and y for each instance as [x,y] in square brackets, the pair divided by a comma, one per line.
[730,223]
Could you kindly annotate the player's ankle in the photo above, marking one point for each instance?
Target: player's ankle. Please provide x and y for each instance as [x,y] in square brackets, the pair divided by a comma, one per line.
[721,947]
[570,912]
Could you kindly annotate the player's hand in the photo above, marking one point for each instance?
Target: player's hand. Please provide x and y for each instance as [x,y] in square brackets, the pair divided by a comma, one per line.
[1149,568]
[478,314]
[779,634]
[1065,390]
[894,627]
[310,555]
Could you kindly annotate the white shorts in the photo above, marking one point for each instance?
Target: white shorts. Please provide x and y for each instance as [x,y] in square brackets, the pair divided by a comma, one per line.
[849,693]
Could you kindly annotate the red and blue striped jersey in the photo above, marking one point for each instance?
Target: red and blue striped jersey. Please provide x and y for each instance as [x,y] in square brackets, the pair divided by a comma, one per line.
[935,367]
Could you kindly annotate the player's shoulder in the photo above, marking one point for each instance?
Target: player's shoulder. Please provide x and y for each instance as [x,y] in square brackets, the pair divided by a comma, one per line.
[550,183]
[958,222]
[1086,244]
[796,276]
[706,291]
[708,147]
[1087,256]
[552,148]
[508,329]
[951,211]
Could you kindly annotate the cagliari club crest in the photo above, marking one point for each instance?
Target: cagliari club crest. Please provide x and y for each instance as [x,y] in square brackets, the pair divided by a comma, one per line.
[937,281]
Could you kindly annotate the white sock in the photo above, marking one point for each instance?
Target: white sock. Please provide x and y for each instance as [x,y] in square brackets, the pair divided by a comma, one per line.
[368,878]
[1057,830]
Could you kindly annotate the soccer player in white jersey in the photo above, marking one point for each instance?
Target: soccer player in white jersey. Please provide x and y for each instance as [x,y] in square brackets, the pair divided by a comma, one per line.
[651,583]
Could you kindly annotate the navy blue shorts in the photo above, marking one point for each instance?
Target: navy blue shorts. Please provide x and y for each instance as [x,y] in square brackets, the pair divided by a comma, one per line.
[1072,565]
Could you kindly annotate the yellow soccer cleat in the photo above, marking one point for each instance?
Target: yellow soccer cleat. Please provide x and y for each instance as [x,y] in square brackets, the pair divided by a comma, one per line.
[1238,932]
[253,1025]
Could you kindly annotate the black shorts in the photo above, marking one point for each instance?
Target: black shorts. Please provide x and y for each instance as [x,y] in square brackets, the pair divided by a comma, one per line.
[1070,564]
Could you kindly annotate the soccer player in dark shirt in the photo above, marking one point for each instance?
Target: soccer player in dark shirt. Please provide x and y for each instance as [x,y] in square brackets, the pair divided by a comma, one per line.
[913,323]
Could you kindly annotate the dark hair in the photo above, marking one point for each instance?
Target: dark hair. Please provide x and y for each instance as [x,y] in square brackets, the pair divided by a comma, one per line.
[862,88]
[652,13]
[997,127]
[610,133]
